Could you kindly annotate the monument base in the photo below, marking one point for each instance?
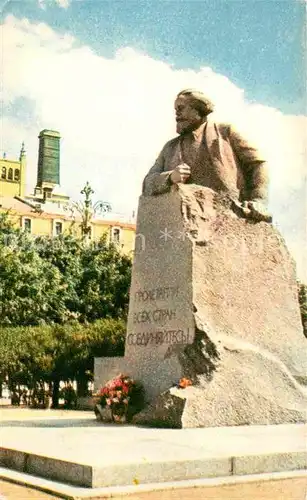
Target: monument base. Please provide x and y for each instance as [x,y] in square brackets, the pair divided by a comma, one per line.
[237,385]
[88,454]
[213,299]
[170,371]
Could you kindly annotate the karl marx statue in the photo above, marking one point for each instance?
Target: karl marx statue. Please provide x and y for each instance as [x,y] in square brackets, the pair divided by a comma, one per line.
[211,155]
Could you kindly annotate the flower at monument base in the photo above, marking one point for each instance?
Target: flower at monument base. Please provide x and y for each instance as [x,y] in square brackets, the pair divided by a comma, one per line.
[184,382]
[118,418]
[123,396]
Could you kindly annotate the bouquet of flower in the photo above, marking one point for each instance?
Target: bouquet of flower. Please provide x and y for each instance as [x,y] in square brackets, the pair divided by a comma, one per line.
[123,396]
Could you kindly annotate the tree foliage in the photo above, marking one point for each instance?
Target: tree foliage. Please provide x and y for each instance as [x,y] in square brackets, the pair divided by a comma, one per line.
[63,301]
[54,280]
[47,354]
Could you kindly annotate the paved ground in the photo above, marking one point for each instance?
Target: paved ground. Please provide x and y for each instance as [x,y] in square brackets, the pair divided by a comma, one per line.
[9,491]
[12,413]
[77,434]
[289,489]
[119,455]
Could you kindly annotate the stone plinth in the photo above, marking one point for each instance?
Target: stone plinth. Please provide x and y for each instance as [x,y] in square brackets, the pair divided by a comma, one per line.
[161,318]
[85,453]
[214,299]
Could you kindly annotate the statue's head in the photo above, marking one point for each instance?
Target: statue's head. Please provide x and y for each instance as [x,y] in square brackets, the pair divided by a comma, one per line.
[192,108]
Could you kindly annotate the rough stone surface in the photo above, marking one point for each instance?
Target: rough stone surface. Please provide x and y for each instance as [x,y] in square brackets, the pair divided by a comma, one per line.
[161,319]
[230,395]
[214,299]
[248,356]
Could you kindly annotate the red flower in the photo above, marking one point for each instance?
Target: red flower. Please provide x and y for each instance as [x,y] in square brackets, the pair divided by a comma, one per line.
[120,392]
[184,382]
[125,388]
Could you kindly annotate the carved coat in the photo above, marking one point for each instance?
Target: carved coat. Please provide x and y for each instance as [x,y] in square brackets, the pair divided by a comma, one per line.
[225,162]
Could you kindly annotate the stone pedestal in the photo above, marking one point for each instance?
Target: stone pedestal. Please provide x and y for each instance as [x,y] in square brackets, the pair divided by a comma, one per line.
[161,318]
[213,298]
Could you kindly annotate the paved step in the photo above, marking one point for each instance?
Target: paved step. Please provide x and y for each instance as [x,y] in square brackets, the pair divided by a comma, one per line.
[80,451]
[276,485]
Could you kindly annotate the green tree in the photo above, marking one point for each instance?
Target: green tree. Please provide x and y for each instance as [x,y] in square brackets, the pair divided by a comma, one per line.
[55,280]
[63,301]
[65,253]
[32,290]
[47,354]
[26,357]
[77,345]
[104,285]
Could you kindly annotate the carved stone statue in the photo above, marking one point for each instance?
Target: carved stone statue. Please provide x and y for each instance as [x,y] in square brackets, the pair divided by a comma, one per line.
[212,155]
[214,330]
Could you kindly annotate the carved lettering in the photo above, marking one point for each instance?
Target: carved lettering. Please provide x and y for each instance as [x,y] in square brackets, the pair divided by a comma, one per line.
[142,317]
[156,316]
[164,293]
[159,337]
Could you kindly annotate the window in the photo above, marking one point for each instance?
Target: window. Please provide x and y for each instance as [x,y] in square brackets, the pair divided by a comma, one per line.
[47,194]
[10,175]
[115,235]
[58,228]
[27,225]
[3,173]
[16,174]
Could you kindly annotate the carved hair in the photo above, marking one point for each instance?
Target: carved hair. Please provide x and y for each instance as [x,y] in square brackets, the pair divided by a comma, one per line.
[200,102]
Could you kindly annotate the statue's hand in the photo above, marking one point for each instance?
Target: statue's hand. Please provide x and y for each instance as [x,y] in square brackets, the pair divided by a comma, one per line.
[180,174]
[256,210]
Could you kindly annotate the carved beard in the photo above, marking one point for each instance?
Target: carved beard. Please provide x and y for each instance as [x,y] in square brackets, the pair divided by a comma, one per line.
[183,127]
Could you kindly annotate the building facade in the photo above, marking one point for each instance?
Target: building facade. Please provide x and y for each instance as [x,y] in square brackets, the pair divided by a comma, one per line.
[46,212]
[13,175]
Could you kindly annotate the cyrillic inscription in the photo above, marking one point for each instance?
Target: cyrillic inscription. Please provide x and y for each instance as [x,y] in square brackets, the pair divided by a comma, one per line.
[159,337]
[156,316]
[168,292]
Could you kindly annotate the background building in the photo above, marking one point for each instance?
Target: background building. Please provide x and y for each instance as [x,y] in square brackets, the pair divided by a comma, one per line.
[13,175]
[48,211]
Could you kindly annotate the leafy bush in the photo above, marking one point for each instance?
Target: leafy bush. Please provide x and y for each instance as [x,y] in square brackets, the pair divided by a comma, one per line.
[48,354]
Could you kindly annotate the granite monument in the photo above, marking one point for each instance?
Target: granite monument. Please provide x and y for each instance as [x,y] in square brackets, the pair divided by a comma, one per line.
[213,295]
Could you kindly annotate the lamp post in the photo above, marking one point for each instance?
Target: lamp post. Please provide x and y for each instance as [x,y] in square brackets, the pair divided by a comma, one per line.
[87,209]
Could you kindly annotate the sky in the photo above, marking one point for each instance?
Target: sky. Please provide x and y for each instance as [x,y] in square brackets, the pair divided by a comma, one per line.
[105,73]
